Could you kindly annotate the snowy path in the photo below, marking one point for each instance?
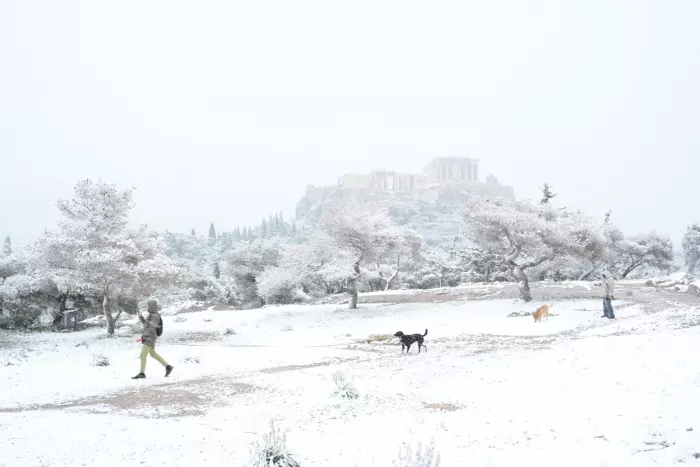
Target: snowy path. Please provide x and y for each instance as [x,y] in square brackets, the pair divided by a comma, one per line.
[491,390]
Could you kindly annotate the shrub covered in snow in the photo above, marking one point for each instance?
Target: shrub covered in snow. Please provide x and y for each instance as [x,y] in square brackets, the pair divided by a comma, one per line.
[273,451]
[190,359]
[100,360]
[287,328]
[343,388]
[421,458]
[691,248]
[230,332]
[180,319]
[246,264]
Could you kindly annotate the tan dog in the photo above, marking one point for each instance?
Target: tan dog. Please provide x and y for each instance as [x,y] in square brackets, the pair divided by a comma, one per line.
[542,312]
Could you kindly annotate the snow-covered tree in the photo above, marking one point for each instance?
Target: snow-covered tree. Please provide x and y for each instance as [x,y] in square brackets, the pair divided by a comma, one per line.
[482,265]
[247,261]
[282,225]
[94,250]
[7,247]
[691,248]
[271,227]
[439,266]
[364,235]
[9,266]
[649,249]
[597,258]
[212,232]
[530,233]
[399,255]
[263,228]
[316,266]
[547,194]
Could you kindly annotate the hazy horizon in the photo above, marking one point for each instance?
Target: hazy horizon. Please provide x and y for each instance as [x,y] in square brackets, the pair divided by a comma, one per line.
[225,113]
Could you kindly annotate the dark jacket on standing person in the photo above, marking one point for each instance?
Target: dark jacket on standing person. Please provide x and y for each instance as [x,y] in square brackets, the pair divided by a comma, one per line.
[151,323]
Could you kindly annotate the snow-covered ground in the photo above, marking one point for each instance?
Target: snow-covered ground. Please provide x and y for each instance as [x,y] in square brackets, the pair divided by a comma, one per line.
[491,390]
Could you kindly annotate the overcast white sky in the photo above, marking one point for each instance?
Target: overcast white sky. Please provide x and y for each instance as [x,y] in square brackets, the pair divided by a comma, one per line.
[226,110]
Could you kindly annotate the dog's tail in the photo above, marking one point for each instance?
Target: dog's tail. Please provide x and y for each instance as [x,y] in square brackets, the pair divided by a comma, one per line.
[426,333]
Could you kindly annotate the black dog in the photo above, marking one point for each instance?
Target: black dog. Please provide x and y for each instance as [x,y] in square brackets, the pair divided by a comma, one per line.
[407,341]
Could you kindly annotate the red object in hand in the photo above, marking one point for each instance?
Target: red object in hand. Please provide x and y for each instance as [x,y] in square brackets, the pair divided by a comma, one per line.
[139,340]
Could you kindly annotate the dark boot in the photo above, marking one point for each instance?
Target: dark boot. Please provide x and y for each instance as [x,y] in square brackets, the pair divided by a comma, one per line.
[168,370]
[139,376]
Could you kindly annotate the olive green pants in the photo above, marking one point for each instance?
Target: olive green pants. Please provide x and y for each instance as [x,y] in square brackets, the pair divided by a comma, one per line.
[145,351]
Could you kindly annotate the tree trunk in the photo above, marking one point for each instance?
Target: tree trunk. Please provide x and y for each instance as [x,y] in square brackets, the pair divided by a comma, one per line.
[588,273]
[523,282]
[395,275]
[58,316]
[629,269]
[108,316]
[391,280]
[111,320]
[518,270]
[381,277]
[352,286]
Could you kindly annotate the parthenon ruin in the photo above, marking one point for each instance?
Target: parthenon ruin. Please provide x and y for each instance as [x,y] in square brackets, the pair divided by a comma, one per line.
[459,175]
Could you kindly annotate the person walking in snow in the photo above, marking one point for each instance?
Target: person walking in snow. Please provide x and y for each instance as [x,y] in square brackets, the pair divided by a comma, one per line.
[608,287]
[152,328]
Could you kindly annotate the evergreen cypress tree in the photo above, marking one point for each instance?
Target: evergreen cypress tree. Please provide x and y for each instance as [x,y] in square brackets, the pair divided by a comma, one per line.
[283,226]
[547,194]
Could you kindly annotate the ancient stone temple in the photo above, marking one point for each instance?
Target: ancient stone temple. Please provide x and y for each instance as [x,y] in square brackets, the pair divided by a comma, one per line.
[452,169]
[447,179]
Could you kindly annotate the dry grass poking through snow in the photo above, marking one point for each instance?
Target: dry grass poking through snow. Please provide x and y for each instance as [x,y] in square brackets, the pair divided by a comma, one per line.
[343,388]
[100,360]
[419,458]
[379,338]
[273,451]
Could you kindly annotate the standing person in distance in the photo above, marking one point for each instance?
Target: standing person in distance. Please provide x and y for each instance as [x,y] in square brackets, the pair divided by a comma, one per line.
[608,287]
[152,328]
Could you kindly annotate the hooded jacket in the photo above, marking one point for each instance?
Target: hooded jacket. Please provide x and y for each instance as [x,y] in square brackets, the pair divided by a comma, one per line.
[151,323]
[608,286]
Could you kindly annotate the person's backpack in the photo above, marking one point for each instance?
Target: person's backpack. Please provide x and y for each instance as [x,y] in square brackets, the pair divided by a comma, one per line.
[159,329]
